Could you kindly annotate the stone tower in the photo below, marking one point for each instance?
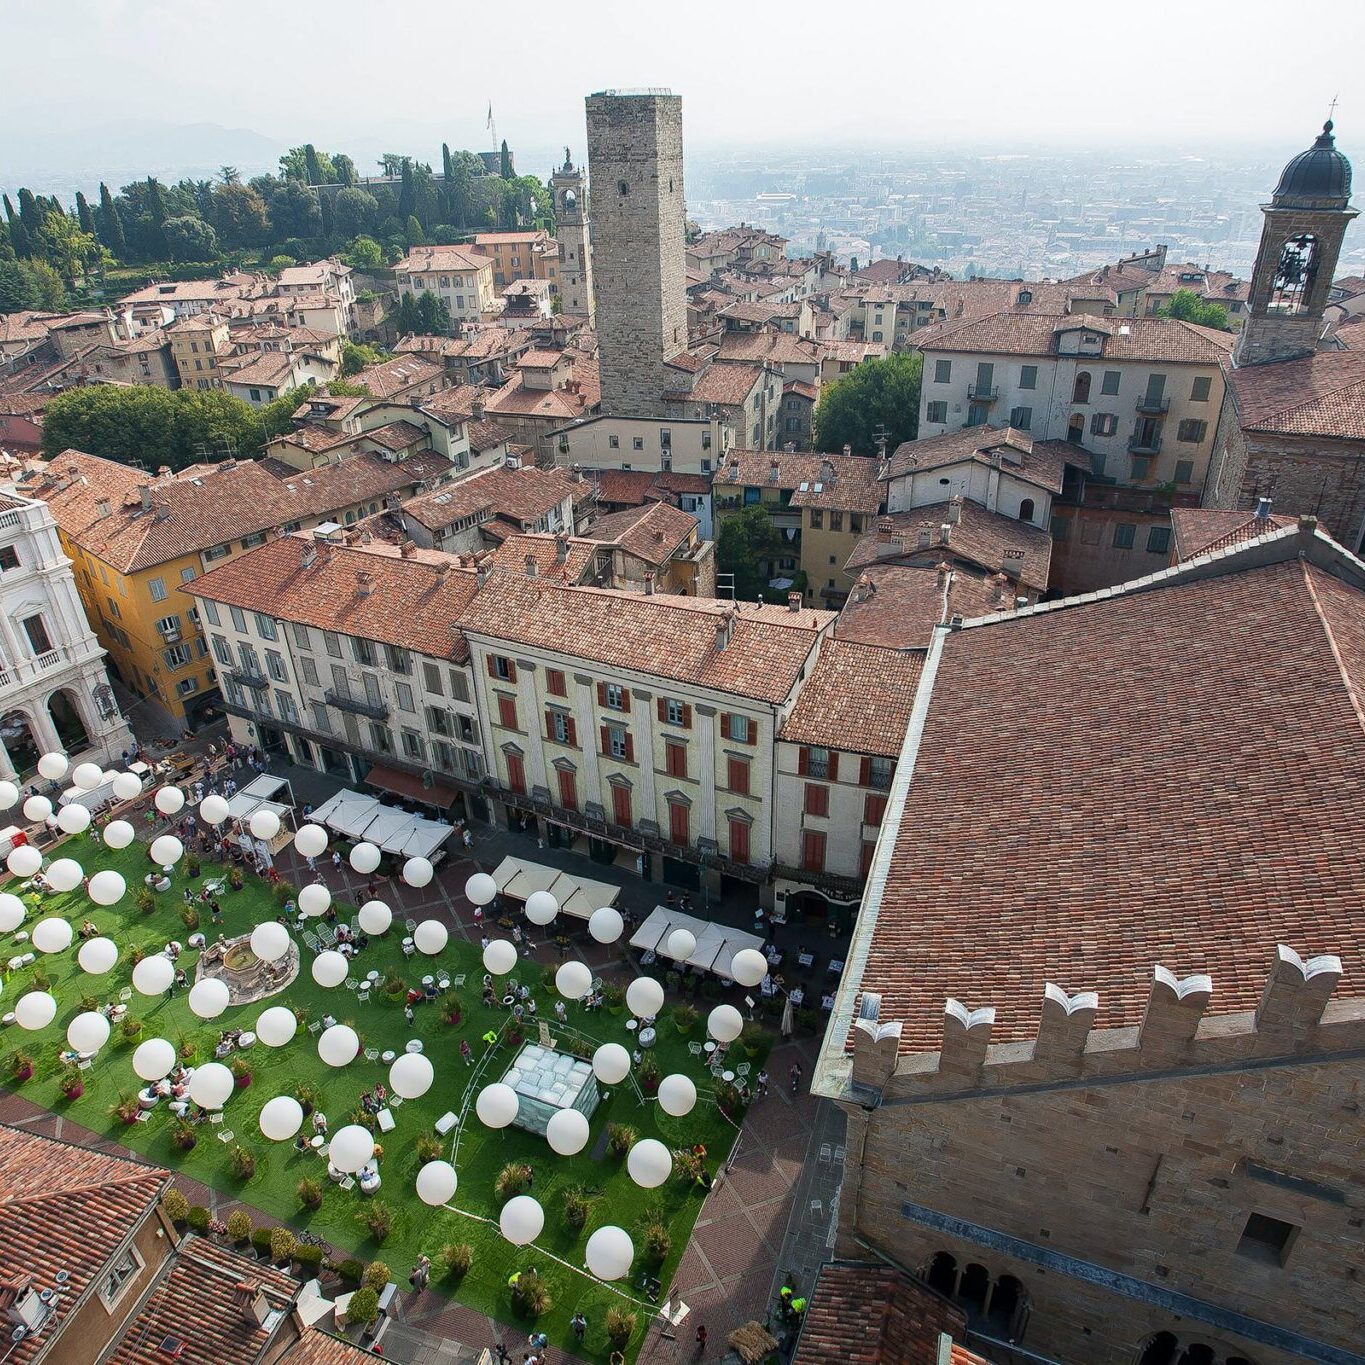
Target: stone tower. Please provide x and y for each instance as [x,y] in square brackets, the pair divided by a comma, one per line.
[1305,222]
[635,165]
[575,249]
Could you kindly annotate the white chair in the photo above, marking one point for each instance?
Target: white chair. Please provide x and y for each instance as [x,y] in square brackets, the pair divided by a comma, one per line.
[386,1121]
[459,981]
[694,1049]
[226,1135]
[315,1027]
[363,994]
[215,1118]
[371,1054]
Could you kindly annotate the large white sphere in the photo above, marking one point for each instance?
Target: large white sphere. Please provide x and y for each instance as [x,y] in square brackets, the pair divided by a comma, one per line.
[609,1253]
[541,907]
[311,841]
[314,900]
[52,935]
[170,800]
[724,1023]
[73,819]
[748,967]
[167,850]
[37,808]
[87,1032]
[35,1010]
[573,980]
[650,1163]
[682,943]
[53,766]
[24,861]
[436,1183]
[211,1085]
[11,912]
[418,872]
[213,810]
[480,889]
[97,955]
[264,824]
[9,795]
[281,1118]
[270,940]
[365,858]
[352,1146]
[87,776]
[118,834]
[276,1026]
[107,887]
[126,786]
[338,1045]
[521,1220]
[209,997]
[644,997]
[430,937]
[606,924]
[411,1075]
[677,1094]
[611,1063]
[567,1132]
[330,968]
[496,1105]
[500,957]
[64,874]
[375,917]
[153,975]
[154,1059]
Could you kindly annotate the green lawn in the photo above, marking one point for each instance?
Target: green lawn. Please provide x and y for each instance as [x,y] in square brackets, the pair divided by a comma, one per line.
[616,1199]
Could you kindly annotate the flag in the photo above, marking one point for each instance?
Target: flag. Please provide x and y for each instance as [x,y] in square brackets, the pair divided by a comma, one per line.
[489,124]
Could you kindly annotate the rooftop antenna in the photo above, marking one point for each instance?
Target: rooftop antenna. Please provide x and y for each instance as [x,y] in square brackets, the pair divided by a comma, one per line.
[1332,108]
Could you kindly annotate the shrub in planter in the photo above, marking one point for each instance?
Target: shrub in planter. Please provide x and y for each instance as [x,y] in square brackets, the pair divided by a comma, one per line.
[239,1225]
[192,867]
[235,878]
[20,1066]
[620,1138]
[144,900]
[753,1039]
[183,1135]
[241,1072]
[451,1010]
[363,1307]
[309,1098]
[136,953]
[531,1295]
[394,988]
[350,1270]
[648,1074]
[131,1028]
[40,981]
[282,892]
[376,1276]
[127,1109]
[514,1178]
[260,1241]
[575,1204]
[241,1163]
[187,1049]
[684,1018]
[308,1258]
[72,1082]
[580,1047]
[457,1257]
[176,1205]
[428,1149]
[620,1326]
[728,1100]
[614,997]
[282,1245]
[688,1165]
[198,1219]
[310,1194]
[190,916]
[656,1242]
[378,1220]
[90,1003]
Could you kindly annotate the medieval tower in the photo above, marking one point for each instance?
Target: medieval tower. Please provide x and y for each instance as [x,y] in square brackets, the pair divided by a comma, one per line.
[575,248]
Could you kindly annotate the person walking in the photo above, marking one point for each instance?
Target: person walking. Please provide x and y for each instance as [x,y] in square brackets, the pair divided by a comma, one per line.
[701,1337]
[579,1324]
[795,1074]
[421,1274]
[762,1091]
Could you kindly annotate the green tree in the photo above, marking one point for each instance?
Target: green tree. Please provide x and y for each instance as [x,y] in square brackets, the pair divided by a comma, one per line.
[1186,305]
[18,238]
[746,542]
[354,357]
[879,393]
[155,233]
[17,290]
[190,239]
[354,211]
[84,215]
[433,315]
[229,175]
[407,193]
[364,254]
[294,211]
[505,161]
[66,247]
[344,168]
[390,164]
[307,164]
[31,215]
[312,166]
[47,284]
[413,231]
[239,215]
[110,224]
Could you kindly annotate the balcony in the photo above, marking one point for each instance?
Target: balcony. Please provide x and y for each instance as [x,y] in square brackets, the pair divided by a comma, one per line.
[1145,444]
[375,711]
[256,681]
[1156,406]
[979,393]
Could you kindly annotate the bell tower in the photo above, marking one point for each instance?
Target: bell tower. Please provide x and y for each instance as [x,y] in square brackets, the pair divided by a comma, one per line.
[575,250]
[1301,238]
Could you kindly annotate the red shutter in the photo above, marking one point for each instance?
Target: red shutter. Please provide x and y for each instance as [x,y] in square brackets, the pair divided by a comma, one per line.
[739,841]
[625,699]
[663,710]
[813,850]
[511,671]
[568,790]
[817,799]
[803,761]
[724,726]
[573,731]
[677,823]
[630,747]
[507,713]
[874,807]
[549,725]
[606,740]
[687,716]
[492,667]
[601,694]
[516,773]
[620,806]
[869,848]
[865,772]
[833,766]
[751,732]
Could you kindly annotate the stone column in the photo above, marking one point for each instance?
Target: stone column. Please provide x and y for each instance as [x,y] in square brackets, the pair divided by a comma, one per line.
[704,807]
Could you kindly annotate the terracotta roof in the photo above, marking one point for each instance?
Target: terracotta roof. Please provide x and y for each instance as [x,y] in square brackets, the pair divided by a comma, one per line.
[481,344]
[269,368]
[396,435]
[393,376]
[636,486]
[725,382]
[1165,340]
[847,482]
[412,601]
[26,325]
[857,698]
[898,605]
[1242,733]
[853,351]
[515,399]
[801,389]
[652,533]
[522,495]
[1038,462]
[778,348]
[540,360]
[1321,395]
[487,435]
[316,1347]
[543,547]
[1200,530]
[663,635]
[457,401]
[427,258]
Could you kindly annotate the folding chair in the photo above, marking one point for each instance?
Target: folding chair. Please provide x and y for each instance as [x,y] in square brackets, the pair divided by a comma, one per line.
[395,1101]
[695,1049]
[311,942]
[215,1118]
[315,1027]
[459,981]
[226,1135]
[742,1069]
[352,984]
[126,994]
[348,1183]
[371,1054]
[410,925]
[409,949]
[362,996]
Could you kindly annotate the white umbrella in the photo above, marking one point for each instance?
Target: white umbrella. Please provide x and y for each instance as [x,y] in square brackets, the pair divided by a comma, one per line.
[788,1023]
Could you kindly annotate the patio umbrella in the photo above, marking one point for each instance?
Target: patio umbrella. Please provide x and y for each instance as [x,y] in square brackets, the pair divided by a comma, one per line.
[788,1023]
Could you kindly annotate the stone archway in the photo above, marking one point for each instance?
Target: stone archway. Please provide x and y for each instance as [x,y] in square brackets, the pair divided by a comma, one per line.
[21,743]
[67,721]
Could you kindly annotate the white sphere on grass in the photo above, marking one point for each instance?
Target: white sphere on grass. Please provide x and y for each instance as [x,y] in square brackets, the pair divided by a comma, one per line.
[118,834]
[338,1045]
[64,874]
[748,967]
[418,872]
[264,824]
[573,980]
[170,800]
[330,968]
[154,1060]
[650,1163]
[97,955]
[541,907]
[725,1023]
[126,786]
[24,861]
[411,1075]
[73,818]
[52,935]
[375,917]
[606,924]
[213,809]
[430,937]
[9,795]
[314,900]
[682,943]
[611,1063]
[12,912]
[500,957]
[153,975]
[212,1085]
[352,1147]
[87,776]
[311,841]
[436,1183]
[281,1118]
[37,808]
[35,1010]
[270,941]
[87,1032]
[521,1220]
[644,997]
[480,889]
[209,997]
[567,1132]
[53,766]
[677,1094]
[167,850]
[496,1105]
[609,1253]
[276,1026]
[107,887]
[364,858]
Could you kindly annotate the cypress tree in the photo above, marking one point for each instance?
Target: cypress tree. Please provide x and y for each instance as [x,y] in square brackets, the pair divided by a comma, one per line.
[84,214]
[506,166]
[407,193]
[17,236]
[111,224]
[31,215]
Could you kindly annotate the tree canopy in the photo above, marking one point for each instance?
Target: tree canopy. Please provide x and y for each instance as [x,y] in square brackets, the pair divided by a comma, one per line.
[881,393]
[1186,305]
[746,542]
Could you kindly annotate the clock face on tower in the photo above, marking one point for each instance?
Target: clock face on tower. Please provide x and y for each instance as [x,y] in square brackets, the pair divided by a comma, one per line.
[1295,272]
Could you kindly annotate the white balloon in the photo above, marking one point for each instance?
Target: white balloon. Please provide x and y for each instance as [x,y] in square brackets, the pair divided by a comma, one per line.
[270,941]
[64,874]
[436,1183]
[330,967]
[677,1094]
[411,1075]
[364,859]
[118,834]
[11,912]
[606,924]
[314,900]
[126,786]
[9,795]
[611,1063]
[170,800]
[153,975]
[748,967]
[521,1220]
[87,1032]
[35,1010]
[375,917]
[644,997]
[609,1253]
[167,850]
[24,861]
[338,1045]
[87,776]
[209,997]
[573,980]
[500,957]
[480,889]
[724,1023]
[52,935]
[567,1132]
[53,766]
[107,887]
[418,871]
[154,1060]
[430,937]
[311,841]
[682,943]
[496,1105]
[212,1085]
[276,1026]
[264,824]
[73,818]
[97,955]
[37,808]
[213,809]
[650,1163]
[352,1146]
[541,907]
[281,1118]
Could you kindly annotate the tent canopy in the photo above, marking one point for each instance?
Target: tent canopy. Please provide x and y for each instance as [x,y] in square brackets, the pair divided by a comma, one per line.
[260,794]
[358,817]
[716,947]
[577,896]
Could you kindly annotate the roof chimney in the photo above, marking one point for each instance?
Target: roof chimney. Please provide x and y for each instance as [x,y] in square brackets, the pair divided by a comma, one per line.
[944,570]
[309,556]
[103,507]
[793,601]
[848,450]
[407,549]
[530,566]
[885,526]
[945,533]
[924,537]
[955,510]
[998,583]
[649,582]
[476,410]
[364,583]
[725,628]
[1262,509]
[145,493]
[561,548]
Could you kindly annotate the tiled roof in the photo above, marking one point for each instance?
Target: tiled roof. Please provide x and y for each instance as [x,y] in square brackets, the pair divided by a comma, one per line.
[522,495]
[857,698]
[427,258]
[543,547]
[1045,844]
[514,399]
[847,482]
[1199,530]
[393,376]
[663,635]
[1214,286]
[487,435]
[725,382]
[412,600]
[316,1347]
[1321,395]
[269,368]
[633,487]
[26,325]
[652,532]
[778,348]
[540,360]
[853,352]
[1165,340]
[481,344]
[1040,462]
[457,401]
[396,435]
[898,605]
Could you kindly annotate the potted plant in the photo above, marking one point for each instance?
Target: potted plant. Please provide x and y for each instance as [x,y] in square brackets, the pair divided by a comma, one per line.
[309,1098]
[457,1257]
[190,916]
[199,1219]
[428,1149]
[131,1028]
[377,1275]
[72,1082]
[145,901]
[127,1109]
[238,1226]
[575,1205]
[183,1134]
[647,1073]
[620,1138]
[20,1066]
[531,1295]
[363,1307]
[235,879]
[309,1194]
[620,1326]
[176,1205]
[450,1008]
[378,1220]
[241,1072]
[241,1163]
[282,1245]
[684,1018]
[192,868]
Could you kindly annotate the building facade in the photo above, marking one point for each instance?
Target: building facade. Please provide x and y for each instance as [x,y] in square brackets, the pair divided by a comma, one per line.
[460,276]
[575,243]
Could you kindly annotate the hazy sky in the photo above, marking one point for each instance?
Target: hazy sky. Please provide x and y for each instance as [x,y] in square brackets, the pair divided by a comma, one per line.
[1201,72]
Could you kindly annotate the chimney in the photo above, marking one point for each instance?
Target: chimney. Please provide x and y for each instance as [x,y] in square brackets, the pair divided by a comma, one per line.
[364,583]
[163,471]
[725,627]
[561,548]
[848,450]
[1262,509]
[530,566]
[793,601]
[924,538]
[944,571]
[309,556]
[407,549]
[955,510]
[480,573]
[790,447]
[998,583]
[945,533]
[476,412]
[885,526]
[103,507]
[443,570]
[145,493]
[244,1295]
[649,582]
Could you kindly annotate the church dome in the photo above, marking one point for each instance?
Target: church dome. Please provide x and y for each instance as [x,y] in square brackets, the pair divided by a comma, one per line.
[1319,173]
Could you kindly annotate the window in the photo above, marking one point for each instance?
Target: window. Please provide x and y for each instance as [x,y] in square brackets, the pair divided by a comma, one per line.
[737,775]
[265,627]
[1021,418]
[38,638]
[560,727]
[1142,468]
[256,538]
[739,841]
[187,575]
[675,758]
[1158,540]
[740,729]
[637,442]
[1191,429]
[177,656]
[813,850]
[874,807]
[616,742]
[187,687]
[380,739]
[555,682]
[836,521]
[413,747]
[614,442]
[216,552]
[119,1275]
[816,762]
[865,862]
[459,686]
[936,412]
[222,651]
[1109,382]
[169,625]
[309,670]
[499,666]
[400,660]
[817,519]
[1103,424]
[879,772]
[507,712]
[431,678]
[238,620]
[1184,471]
[678,823]
[157,588]
[1026,510]
[620,806]
[403,693]
[614,697]
[1267,1239]
[372,693]
[817,799]
[332,641]
[943,372]
[1080,392]
[364,652]
[1123,535]
[568,788]
[285,703]
[516,773]
[675,712]
[274,664]
[1028,376]
[211,612]
[1199,389]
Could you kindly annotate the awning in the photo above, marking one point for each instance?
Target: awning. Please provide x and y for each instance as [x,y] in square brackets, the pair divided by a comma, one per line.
[398,832]
[716,947]
[577,896]
[394,780]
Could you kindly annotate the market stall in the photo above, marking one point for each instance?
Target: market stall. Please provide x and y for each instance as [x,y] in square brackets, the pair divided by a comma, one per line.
[394,831]
[716,944]
[517,878]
